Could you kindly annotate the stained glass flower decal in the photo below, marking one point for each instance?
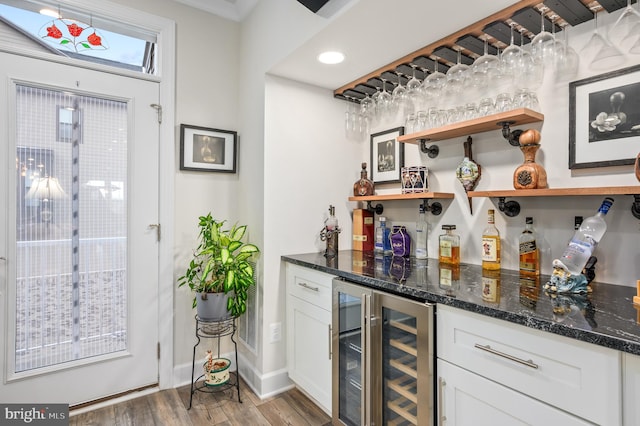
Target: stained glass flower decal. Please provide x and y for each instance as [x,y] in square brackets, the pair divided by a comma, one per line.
[73,35]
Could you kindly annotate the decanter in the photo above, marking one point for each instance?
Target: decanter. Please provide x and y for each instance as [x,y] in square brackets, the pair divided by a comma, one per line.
[530,175]
[363,186]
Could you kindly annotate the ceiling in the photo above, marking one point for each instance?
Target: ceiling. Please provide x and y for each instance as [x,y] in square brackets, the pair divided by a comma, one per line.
[235,10]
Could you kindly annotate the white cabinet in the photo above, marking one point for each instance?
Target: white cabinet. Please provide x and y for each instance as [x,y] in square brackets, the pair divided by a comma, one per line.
[309,332]
[570,375]
[467,399]
[631,390]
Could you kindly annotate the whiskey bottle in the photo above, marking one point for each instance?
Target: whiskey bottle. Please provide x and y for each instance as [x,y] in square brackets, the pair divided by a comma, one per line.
[363,186]
[491,244]
[585,240]
[529,252]
[449,245]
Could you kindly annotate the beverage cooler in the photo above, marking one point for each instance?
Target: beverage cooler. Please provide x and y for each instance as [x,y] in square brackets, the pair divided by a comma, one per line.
[383,358]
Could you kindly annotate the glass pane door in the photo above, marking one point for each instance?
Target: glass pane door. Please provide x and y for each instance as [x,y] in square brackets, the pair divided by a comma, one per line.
[349,367]
[407,360]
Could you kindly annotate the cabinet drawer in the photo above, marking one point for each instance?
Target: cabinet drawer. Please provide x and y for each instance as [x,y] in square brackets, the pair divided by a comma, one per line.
[578,377]
[309,285]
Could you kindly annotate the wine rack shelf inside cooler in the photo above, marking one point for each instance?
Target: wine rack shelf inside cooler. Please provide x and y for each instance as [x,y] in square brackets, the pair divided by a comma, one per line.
[401,375]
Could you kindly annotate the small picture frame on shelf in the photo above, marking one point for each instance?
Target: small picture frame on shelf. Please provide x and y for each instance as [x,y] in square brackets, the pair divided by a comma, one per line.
[387,156]
[415,179]
[205,149]
[604,119]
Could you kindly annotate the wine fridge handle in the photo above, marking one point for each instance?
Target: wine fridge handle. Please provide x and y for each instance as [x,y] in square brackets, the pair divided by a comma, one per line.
[366,359]
[441,417]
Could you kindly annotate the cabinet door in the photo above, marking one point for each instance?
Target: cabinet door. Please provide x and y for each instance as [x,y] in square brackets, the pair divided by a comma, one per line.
[465,399]
[309,349]
[631,390]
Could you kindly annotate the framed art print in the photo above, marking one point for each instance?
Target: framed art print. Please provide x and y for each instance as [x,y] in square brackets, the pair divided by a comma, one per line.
[387,156]
[207,150]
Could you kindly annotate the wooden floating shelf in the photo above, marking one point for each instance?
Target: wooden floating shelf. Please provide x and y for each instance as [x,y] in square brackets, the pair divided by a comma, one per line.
[489,123]
[412,196]
[556,192]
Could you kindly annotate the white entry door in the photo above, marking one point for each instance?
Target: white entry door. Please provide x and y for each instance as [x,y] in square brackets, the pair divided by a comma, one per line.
[79,191]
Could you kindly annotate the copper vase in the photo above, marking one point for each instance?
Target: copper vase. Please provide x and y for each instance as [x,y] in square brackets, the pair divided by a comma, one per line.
[530,175]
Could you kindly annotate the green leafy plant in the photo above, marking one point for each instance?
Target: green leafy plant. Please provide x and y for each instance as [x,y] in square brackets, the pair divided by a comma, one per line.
[220,264]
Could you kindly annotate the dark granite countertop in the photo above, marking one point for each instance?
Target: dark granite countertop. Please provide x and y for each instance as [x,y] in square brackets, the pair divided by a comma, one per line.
[606,317]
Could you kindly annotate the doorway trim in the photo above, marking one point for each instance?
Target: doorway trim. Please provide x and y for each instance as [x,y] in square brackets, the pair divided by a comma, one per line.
[166,32]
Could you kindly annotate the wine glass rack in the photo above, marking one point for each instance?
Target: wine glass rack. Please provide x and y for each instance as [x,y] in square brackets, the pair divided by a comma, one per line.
[524,15]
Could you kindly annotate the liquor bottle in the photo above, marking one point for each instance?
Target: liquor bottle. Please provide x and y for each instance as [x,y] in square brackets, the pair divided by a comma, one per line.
[421,235]
[383,243]
[529,252]
[363,186]
[585,240]
[449,246]
[491,244]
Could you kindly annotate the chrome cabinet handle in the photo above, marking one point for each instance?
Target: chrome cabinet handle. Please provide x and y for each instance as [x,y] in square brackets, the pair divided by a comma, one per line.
[330,342]
[307,286]
[487,348]
[441,417]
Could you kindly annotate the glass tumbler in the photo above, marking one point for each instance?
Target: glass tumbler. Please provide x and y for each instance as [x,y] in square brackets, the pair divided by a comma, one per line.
[410,123]
[421,121]
[522,99]
[503,102]
[486,107]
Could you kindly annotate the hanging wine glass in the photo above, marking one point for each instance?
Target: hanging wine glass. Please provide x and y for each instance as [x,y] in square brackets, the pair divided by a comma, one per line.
[413,89]
[635,47]
[622,33]
[434,84]
[602,53]
[383,103]
[399,97]
[531,71]
[456,79]
[484,73]
[567,60]
[543,44]
[512,55]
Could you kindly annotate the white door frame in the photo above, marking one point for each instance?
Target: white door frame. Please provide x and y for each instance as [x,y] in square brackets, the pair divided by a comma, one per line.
[165,28]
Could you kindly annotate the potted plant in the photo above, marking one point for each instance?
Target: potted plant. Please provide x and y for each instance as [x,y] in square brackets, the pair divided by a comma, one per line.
[220,272]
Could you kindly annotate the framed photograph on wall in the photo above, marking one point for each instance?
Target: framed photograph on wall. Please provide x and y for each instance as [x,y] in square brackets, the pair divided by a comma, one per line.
[387,156]
[604,119]
[207,150]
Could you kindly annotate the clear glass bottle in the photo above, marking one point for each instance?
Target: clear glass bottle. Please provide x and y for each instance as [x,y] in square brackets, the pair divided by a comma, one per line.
[449,246]
[422,231]
[491,244]
[383,242]
[529,252]
[585,239]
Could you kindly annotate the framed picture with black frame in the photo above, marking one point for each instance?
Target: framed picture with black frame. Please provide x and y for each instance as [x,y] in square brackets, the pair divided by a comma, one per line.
[387,156]
[206,149]
[604,119]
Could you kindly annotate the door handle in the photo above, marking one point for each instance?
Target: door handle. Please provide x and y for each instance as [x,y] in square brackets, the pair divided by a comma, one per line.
[441,416]
[487,348]
[3,258]
[157,228]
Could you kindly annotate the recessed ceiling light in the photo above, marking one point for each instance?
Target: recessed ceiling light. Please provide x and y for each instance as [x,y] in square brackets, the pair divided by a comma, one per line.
[331,57]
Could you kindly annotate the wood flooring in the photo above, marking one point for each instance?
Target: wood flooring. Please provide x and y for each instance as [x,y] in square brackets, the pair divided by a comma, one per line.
[169,407]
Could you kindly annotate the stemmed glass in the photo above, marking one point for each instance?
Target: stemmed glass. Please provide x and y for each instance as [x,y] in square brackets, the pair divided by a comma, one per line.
[566,58]
[543,44]
[624,30]
[484,71]
[383,103]
[435,83]
[606,55]
[456,78]
[413,89]
[399,97]
[512,55]
[531,71]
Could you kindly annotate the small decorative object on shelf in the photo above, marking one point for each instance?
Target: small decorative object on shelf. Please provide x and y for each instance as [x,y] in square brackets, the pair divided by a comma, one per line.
[216,370]
[468,171]
[638,167]
[530,175]
[329,233]
[363,186]
[415,179]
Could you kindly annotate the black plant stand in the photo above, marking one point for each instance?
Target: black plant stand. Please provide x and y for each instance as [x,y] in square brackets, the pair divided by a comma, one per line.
[214,330]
